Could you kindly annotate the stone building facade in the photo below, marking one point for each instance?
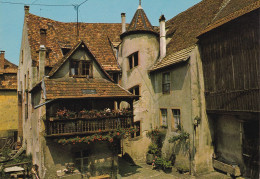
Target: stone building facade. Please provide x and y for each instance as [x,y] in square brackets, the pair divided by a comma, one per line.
[161,66]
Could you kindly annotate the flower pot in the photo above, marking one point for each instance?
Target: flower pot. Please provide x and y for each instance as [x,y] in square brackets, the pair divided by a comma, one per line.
[149,158]
[167,170]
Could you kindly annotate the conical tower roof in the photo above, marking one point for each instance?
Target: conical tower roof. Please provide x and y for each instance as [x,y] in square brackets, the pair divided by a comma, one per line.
[139,24]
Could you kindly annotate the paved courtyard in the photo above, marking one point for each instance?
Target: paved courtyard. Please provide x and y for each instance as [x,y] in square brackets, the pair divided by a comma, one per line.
[144,171]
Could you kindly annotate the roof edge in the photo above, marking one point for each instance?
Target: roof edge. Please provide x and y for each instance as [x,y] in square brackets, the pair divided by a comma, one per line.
[138,32]
[231,17]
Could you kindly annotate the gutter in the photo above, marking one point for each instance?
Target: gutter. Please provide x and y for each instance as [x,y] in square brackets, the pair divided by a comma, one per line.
[39,105]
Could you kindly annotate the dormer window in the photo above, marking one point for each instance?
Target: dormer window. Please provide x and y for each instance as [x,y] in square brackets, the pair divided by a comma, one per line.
[81,68]
[133,60]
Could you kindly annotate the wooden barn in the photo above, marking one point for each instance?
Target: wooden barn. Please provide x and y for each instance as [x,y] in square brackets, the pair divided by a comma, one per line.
[230,55]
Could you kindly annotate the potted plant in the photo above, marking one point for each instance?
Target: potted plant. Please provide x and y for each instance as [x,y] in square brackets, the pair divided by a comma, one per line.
[71,114]
[162,163]
[153,150]
[62,113]
[167,166]
[83,113]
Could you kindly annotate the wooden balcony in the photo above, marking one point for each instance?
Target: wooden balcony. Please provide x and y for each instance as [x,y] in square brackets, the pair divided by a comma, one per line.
[79,126]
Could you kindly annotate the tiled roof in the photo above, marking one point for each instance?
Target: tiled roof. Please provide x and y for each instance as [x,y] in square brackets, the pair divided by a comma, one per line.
[185,27]
[63,35]
[173,58]
[139,23]
[232,10]
[79,45]
[83,88]
[8,76]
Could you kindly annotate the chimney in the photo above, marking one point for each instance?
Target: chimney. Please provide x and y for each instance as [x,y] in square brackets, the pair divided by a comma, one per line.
[2,60]
[162,37]
[43,37]
[26,9]
[123,22]
[42,56]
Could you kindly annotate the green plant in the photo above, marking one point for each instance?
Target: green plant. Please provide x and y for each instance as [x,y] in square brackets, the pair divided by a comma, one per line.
[157,136]
[153,149]
[183,136]
[162,163]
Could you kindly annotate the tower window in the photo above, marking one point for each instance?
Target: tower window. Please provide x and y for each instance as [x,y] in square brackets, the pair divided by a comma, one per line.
[133,60]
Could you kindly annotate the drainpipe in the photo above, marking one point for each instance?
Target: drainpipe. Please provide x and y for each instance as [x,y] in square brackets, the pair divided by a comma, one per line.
[123,22]
[162,37]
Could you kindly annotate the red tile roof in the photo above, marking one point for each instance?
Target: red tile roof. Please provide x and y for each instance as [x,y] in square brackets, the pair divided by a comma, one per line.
[63,35]
[8,76]
[79,45]
[139,23]
[174,58]
[185,27]
[232,10]
[83,88]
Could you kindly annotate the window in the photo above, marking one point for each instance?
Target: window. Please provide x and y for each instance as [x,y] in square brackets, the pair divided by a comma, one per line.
[176,120]
[22,57]
[166,82]
[133,60]
[81,68]
[81,160]
[137,133]
[115,76]
[26,105]
[135,90]
[65,50]
[164,117]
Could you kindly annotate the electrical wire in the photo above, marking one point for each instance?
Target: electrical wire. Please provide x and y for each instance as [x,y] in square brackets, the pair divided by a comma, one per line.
[5,2]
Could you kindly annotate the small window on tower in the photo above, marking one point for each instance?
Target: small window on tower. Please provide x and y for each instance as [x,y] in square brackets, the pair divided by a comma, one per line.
[133,60]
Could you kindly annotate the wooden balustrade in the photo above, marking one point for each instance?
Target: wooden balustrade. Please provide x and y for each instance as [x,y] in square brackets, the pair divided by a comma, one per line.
[79,126]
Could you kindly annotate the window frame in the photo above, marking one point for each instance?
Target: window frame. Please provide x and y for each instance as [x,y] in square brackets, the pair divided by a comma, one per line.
[80,68]
[134,92]
[133,60]
[166,83]
[161,117]
[81,160]
[173,121]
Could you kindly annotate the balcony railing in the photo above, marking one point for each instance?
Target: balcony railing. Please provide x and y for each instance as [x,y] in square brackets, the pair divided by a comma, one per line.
[77,126]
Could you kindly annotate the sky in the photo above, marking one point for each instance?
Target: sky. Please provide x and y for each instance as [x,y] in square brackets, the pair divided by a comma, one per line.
[92,11]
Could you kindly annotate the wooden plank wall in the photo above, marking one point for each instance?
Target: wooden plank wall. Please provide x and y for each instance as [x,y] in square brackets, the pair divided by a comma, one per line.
[230,57]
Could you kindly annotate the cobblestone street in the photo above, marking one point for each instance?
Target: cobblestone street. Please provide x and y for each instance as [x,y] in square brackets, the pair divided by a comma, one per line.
[144,171]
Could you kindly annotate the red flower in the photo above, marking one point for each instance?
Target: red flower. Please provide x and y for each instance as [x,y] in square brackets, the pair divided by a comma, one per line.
[117,133]
[99,130]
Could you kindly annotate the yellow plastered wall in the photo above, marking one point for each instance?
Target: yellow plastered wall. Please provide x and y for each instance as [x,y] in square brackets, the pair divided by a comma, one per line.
[8,112]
